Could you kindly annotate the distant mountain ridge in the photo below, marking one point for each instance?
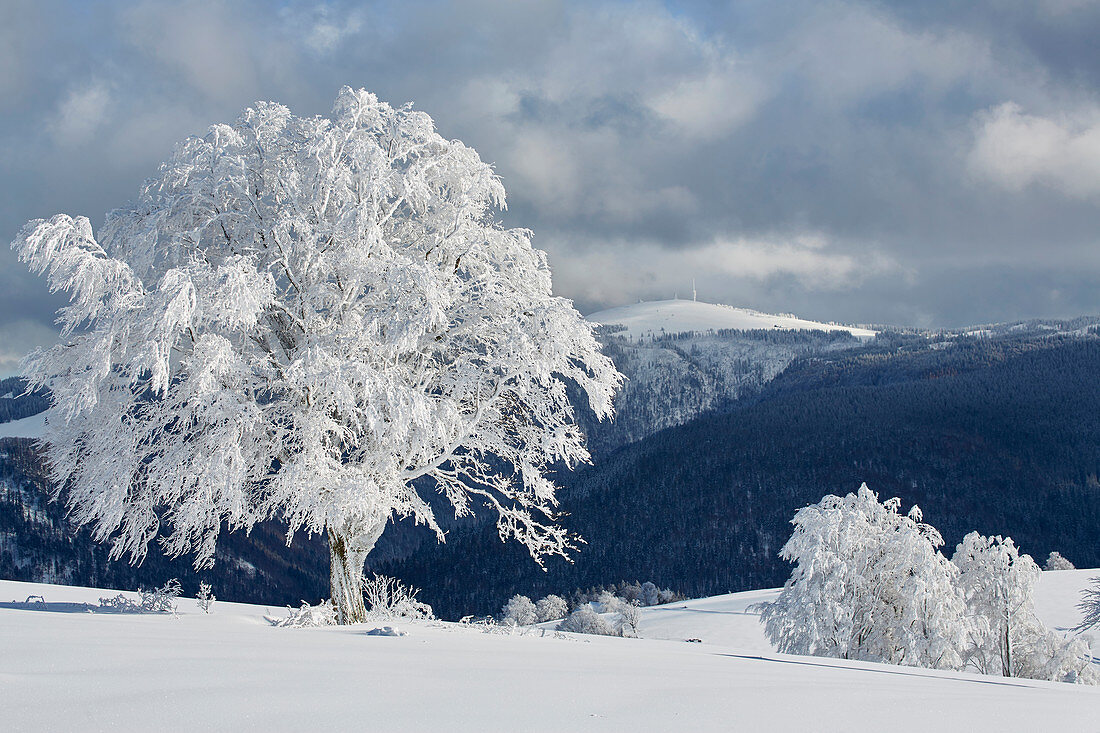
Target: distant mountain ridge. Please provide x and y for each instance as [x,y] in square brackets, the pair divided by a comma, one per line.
[656,318]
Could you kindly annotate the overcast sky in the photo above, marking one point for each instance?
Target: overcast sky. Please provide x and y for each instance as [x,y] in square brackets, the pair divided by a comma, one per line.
[929,163]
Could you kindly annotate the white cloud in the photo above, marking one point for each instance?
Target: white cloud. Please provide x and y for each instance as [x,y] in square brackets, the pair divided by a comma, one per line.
[1014,150]
[218,48]
[712,104]
[849,52]
[619,272]
[81,113]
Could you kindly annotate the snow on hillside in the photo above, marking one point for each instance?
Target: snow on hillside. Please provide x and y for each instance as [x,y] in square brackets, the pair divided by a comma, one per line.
[27,427]
[232,671]
[731,620]
[676,316]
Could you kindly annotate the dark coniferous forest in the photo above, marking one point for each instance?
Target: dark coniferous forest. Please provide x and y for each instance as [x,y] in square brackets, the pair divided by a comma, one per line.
[1000,436]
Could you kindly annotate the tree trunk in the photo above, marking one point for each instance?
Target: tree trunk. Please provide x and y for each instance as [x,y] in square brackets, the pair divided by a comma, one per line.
[347,553]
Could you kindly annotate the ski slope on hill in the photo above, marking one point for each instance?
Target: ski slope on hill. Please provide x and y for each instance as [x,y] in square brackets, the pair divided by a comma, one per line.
[677,316]
[231,670]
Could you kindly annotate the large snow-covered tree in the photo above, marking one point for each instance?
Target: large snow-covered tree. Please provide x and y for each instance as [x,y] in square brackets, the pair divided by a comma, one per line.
[301,317]
[869,584]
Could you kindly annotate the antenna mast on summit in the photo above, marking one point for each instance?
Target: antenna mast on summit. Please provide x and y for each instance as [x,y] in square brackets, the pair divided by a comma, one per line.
[693,295]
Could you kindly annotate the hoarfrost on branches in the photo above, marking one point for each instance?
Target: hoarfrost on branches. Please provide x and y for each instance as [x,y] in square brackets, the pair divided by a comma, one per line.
[869,584]
[1005,634]
[306,616]
[1090,606]
[299,317]
[206,597]
[389,598]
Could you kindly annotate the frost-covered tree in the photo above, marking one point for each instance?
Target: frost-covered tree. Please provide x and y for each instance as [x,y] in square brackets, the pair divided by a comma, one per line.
[520,611]
[868,584]
[1006,636]
[206,597]
[551,608]
[1090,606]
[307,318]
[1055,561]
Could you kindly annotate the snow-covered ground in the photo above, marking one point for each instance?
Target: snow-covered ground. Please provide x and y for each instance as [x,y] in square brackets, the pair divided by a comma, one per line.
[233,671]
[677,316]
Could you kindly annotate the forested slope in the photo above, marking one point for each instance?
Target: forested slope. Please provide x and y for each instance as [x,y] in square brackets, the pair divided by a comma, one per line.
[1002,436]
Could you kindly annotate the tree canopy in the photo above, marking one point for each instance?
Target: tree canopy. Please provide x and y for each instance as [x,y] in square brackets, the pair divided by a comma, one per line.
[299,317]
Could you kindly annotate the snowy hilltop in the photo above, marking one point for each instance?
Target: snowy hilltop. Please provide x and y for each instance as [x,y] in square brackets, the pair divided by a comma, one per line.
[683,358]
[657,318]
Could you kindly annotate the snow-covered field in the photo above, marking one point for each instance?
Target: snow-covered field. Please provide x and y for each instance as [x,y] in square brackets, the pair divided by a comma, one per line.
[27,427]
[231,670]
[676,316]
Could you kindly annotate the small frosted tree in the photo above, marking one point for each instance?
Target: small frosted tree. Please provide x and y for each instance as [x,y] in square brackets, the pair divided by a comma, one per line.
[519,610]
[551,608]
[1055,561]
[307,318]
[1006,637]
[868,584]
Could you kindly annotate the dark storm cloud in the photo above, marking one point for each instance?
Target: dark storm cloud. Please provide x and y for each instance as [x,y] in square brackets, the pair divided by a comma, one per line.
[934,163]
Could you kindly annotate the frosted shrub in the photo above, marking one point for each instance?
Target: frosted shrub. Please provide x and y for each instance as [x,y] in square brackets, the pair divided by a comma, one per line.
[650,594]
[584,620]
[551,608]
[307,616]
[163,599]
[205,597]
[868,584]
[520,611]
[388,598]
[1005,635]
[120,604]
[1055,561]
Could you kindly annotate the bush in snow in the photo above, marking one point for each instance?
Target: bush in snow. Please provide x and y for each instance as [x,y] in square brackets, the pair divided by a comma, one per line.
[520,611]
[869,584]
[628,615]
[163,599]
[1055,561]
[584,620]
[551,608]
[205,597]
[157,600]
[1006,636]
[388,598]
[307,616]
